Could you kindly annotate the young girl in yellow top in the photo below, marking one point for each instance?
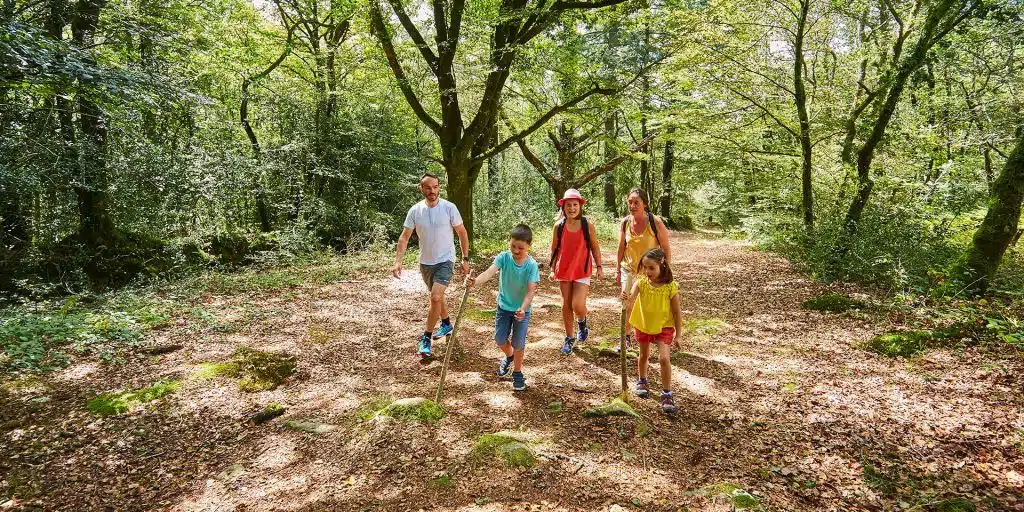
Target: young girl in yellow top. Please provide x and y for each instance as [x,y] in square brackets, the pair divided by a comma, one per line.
[656,318]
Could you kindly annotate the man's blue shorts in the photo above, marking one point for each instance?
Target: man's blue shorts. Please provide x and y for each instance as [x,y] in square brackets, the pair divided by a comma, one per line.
[506,325]
[440,273]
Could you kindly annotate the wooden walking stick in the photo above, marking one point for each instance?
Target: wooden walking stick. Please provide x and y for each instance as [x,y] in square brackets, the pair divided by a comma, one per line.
[622,347]
[451,343]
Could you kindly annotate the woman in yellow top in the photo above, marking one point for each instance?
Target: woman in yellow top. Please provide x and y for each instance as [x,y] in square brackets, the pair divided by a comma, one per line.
[657,319]
[640,232]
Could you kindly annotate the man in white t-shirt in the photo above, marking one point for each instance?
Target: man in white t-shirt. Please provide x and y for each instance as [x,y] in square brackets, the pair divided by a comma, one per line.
[434,220]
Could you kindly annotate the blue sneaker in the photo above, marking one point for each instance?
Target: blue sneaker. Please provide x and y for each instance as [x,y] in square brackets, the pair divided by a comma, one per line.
[443,331]
[567,345]
[583,333]
[518,381]
[504,366]
[424,345]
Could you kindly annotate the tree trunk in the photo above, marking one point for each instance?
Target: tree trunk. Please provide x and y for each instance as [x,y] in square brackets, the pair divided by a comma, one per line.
[645,164]
[460,192]
[999,228]
[610,133]
[800,97]
[667,165]
[96,227]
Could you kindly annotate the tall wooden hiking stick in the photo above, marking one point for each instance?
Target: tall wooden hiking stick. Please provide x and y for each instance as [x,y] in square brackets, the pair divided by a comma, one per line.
[622,347]
[450,344]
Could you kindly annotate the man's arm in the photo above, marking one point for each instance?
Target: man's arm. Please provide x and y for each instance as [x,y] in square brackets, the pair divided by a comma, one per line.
[403,244]
[464,245]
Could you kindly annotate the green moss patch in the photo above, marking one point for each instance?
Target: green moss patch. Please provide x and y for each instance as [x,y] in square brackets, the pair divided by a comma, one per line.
[441,482]
[309,427]
[955,505]
[833,303]
[616,407]
[606,348]
[901,344]
[480,315]
[703,327]
[268,413]
[512,448]
[256,370]
[109,404]
[741,499]
[414,409]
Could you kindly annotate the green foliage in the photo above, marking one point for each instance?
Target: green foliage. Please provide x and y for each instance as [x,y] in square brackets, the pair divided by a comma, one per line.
[110,404]
[741,499]
[833,303]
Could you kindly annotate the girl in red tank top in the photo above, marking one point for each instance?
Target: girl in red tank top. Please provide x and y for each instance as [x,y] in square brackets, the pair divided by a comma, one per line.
[572,263]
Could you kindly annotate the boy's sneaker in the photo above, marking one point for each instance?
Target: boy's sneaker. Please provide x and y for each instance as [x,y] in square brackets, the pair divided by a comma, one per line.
[668,406]
[567,345]
[504,366]
[443,331]
[518,381]
[424,345]
[583,333]
[641,388]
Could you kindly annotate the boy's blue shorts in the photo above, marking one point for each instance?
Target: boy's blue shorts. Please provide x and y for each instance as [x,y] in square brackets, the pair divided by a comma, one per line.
[505,325]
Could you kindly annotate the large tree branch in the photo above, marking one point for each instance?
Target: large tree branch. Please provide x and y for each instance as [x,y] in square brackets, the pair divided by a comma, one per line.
[562,6]
[381,31]
[414,34]
[610,165]
[544,119]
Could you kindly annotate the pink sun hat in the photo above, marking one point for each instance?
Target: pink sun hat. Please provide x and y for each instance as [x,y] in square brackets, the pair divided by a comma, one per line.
[572,194]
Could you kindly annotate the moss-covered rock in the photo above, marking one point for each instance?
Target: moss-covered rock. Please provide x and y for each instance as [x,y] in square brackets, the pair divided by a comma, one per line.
[109,404]
[309,426]
[414,409]
[833,303]
[512,448]
[740,498]
[616,407]
[255,370]
[268,413]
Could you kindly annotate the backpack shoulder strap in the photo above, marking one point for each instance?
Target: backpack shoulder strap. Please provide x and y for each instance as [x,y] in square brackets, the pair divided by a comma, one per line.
[654,226]
[559,231]
[586,239]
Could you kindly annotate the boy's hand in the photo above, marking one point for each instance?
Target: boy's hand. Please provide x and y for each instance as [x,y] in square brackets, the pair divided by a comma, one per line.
[469,281]
[520,315]
[396,269]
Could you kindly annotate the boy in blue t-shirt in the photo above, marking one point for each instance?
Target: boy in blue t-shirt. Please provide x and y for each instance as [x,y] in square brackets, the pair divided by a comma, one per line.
[517,284]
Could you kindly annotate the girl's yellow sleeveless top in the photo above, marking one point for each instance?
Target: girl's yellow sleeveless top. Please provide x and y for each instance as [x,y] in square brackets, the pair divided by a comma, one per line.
[637,245]
[653,309]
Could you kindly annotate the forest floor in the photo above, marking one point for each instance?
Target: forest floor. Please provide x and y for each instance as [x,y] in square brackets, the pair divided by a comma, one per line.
[780,408]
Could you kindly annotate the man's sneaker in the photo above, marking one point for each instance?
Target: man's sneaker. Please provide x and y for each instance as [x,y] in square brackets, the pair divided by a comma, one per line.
[504,366]
[518,381]
[443,331]
[567,345]
[641,388]
[424,345]
[583,333]
[668,406]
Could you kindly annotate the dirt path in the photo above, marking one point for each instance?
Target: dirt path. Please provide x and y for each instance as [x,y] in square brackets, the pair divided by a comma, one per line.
[774,399]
